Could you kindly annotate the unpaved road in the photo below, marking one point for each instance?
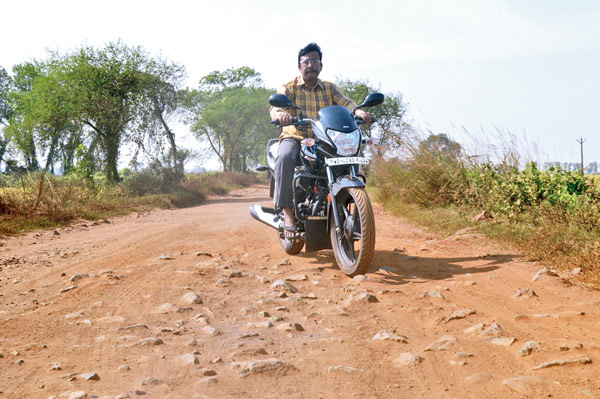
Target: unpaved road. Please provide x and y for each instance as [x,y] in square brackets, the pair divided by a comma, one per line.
[117,299]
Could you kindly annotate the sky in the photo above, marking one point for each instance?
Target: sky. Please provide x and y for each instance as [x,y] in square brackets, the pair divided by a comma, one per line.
[488,71]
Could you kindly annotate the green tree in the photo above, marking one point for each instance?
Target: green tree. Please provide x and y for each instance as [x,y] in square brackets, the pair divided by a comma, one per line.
[5,89]
[21,130]
[163,95]
[41,120]
[100,98]
[230,112]
[5,108]
[104,93]
[440,145]
[390,125]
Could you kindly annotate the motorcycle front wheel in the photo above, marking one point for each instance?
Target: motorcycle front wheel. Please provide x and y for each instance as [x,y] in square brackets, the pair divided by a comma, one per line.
[354,246]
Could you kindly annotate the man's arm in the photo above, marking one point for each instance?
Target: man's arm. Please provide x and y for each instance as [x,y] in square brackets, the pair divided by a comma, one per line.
[340,99]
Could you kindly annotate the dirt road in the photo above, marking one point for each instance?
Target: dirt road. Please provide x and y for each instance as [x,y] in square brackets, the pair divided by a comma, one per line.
[202,303]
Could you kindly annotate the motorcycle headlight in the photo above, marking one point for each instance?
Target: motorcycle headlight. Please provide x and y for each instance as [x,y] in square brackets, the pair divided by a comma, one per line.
[347,143]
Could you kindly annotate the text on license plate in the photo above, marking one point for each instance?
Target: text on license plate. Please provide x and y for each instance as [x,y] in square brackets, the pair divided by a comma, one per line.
[347,161]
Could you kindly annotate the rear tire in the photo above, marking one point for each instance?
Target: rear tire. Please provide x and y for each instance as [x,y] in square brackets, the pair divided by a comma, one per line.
[354,247]
[291,247]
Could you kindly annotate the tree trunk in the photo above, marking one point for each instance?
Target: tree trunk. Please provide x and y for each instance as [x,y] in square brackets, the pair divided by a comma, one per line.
[111,153]
[171,137]
[3,144]
[51,158]
[68,152]
[31,161]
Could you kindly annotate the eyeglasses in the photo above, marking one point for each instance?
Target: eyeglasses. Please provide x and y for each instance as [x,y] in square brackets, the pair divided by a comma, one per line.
[310,62]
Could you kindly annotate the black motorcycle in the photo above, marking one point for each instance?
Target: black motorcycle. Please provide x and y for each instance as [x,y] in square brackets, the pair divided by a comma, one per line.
[331,206]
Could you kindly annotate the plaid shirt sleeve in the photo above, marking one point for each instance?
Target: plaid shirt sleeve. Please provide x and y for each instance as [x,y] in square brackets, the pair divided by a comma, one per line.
[340,99]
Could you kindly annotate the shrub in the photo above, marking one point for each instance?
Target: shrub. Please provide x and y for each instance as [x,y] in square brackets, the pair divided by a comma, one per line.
[553,215]
[41,200]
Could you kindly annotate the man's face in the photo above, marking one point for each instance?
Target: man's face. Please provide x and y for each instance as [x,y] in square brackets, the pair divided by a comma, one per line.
[310,66]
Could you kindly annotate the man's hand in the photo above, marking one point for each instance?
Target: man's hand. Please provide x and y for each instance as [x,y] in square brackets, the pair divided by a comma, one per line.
[365,115]
[285,119]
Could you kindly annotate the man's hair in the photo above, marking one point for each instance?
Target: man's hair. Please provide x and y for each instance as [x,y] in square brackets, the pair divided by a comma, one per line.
[310,48]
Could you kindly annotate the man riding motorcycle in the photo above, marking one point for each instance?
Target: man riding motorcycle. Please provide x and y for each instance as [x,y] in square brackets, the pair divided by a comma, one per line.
[310,94]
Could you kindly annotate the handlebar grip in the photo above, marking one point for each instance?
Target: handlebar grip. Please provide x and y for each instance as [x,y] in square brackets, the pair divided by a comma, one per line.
[295,122]
[361,121]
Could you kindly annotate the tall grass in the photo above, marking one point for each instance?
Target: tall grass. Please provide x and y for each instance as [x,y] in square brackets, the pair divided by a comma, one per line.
[41,201]
[552,216]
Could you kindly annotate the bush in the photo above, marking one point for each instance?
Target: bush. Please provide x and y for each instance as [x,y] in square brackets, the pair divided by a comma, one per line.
[41,200]
[552,215]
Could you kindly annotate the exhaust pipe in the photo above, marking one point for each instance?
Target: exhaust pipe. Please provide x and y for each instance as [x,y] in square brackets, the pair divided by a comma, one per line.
[265,215]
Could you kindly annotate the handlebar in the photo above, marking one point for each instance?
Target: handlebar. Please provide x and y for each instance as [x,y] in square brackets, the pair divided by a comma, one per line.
[361,121]
[295,122]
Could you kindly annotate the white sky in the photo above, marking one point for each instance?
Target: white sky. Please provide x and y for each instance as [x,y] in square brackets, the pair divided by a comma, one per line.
[530,68]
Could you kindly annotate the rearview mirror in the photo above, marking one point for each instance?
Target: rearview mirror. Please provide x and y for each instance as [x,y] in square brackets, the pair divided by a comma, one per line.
[372,100]
[280,101]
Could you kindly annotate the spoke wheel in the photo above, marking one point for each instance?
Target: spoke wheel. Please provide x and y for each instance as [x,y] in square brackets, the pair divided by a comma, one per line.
[354,246]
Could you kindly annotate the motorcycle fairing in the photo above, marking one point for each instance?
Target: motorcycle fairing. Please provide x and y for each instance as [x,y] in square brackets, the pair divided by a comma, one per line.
[338,117]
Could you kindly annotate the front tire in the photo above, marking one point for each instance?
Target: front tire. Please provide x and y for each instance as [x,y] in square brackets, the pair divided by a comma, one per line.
[354,246]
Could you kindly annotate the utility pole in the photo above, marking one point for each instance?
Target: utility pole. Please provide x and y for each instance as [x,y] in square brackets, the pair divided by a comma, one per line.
[581,140]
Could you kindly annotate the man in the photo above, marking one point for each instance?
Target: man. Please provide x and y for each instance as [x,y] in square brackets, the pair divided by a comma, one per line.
[311,94]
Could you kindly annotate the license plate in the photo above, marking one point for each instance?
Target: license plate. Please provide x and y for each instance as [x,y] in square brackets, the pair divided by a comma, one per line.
[347,161]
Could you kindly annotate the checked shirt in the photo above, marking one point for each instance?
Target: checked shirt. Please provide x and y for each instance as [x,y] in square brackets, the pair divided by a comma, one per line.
[311,101]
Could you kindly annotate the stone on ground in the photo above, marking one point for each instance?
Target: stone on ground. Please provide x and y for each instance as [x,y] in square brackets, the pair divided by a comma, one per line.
[263,366]
[407,359]
[527,385]
[385,335]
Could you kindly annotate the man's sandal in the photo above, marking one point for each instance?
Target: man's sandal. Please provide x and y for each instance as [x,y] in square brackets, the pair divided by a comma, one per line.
[287,229]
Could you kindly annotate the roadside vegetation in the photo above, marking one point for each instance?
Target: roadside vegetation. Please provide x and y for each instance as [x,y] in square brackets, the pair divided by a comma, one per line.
[551,216]
[68,121]
[40,200]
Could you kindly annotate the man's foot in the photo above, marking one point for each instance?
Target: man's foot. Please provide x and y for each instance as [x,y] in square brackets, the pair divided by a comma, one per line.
[288,223]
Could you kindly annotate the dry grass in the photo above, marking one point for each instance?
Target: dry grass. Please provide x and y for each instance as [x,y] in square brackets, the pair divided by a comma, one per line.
[550,216]
[46,201]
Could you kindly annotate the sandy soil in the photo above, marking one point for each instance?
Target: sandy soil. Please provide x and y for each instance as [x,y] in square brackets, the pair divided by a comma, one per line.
[121,299]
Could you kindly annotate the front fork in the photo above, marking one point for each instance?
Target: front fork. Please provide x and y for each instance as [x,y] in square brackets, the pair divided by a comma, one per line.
[333,191]
[334,208]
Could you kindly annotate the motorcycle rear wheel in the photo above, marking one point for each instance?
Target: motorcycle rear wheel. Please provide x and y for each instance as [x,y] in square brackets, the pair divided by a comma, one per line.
[291,247]
[354,247]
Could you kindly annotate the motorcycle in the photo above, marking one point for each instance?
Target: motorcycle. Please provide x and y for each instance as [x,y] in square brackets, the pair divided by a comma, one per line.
[331,207]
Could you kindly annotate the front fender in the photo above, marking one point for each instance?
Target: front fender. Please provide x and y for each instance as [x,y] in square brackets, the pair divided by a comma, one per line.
[346,182]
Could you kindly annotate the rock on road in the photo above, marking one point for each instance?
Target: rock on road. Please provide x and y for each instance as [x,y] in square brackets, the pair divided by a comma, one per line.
[203,303]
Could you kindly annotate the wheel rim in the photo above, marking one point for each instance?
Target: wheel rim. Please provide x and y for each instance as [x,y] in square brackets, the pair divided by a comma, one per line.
[349,240]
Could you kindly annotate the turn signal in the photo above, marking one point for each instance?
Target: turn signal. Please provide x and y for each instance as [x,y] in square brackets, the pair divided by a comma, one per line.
[308,142]
[329,197]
